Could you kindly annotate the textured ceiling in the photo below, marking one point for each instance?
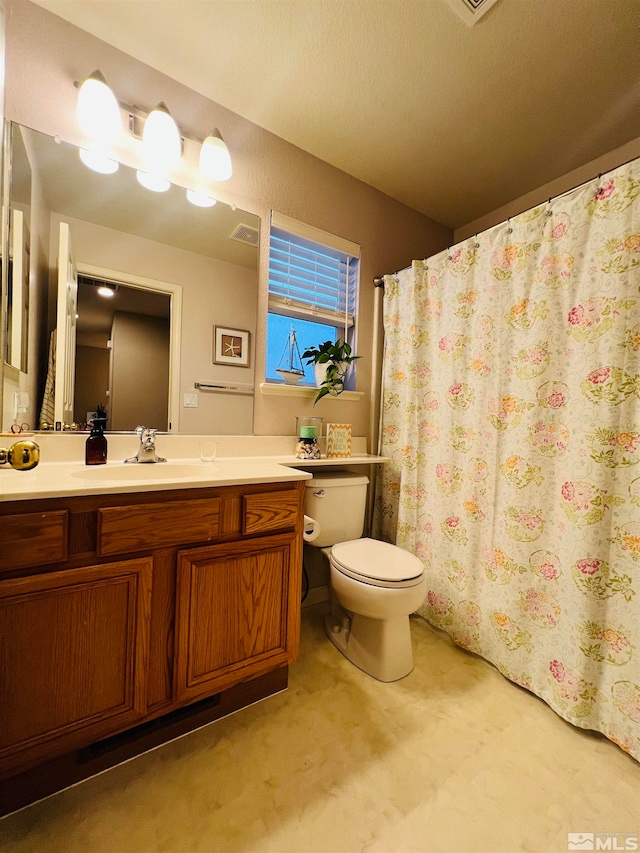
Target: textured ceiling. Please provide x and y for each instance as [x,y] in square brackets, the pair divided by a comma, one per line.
[454,121]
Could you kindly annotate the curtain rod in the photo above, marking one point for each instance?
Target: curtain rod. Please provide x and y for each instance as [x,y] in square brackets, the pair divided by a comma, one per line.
[378,281]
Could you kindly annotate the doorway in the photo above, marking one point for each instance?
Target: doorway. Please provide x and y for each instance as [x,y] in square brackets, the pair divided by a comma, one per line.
[126,349]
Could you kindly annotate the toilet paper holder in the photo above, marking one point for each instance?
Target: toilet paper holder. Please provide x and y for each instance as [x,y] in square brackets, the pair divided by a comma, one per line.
[310,529]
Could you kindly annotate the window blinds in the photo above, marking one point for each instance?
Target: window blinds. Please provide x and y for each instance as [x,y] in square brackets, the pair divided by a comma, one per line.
[312,280]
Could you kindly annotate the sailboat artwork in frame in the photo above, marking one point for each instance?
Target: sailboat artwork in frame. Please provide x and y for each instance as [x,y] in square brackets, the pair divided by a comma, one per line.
[230,346]
[290,365]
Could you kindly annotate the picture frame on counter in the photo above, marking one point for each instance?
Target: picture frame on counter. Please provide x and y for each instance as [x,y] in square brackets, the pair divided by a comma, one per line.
[230,346]
[338,441]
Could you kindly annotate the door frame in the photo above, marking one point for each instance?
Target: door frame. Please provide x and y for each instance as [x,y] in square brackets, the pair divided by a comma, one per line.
[174,291]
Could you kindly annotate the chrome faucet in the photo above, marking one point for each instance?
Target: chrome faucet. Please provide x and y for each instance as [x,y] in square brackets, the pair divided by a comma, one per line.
[147,450]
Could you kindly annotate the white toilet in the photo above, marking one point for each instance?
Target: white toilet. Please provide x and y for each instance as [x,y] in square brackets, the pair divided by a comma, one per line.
[374,585]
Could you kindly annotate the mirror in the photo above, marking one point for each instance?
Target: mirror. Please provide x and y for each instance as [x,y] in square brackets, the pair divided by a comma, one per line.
[175,272]
[17,330]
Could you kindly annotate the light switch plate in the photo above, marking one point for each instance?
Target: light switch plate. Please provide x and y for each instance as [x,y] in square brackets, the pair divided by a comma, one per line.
[191,401]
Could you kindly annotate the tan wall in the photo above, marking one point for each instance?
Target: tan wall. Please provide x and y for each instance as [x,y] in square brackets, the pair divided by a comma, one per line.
[628,151]
[46,54]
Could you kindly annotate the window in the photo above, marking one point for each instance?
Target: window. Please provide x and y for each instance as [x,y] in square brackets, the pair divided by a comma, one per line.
[313,282]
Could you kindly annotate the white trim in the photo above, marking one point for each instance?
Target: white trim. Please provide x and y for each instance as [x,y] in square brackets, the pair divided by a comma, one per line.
[174,291]
[16,284]
[273,389]
[317,235]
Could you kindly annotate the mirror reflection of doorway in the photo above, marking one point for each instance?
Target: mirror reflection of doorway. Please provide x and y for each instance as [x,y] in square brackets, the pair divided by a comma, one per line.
[122,354]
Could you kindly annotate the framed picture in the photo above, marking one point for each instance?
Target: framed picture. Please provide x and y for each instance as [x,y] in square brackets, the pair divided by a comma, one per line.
[338,441]
[230,346]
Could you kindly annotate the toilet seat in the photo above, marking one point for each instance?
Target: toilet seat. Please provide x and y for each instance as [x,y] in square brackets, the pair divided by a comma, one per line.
[377,563]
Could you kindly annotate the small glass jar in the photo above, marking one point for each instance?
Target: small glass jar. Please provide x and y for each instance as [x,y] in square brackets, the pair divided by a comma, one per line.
[308,432]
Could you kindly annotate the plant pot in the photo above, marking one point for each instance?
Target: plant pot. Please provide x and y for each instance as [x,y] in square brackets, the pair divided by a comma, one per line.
[320,374]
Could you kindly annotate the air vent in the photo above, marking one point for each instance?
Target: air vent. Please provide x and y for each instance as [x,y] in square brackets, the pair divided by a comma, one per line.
[246,234]
[471,10]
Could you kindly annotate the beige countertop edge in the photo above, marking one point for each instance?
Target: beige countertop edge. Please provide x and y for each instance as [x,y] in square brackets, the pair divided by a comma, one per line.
[69,479]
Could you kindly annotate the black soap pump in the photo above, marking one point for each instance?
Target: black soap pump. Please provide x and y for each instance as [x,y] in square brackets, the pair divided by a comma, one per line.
[96,446]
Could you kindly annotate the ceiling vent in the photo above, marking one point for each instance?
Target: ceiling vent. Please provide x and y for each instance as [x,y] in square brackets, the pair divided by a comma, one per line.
[246,234]
[471,10]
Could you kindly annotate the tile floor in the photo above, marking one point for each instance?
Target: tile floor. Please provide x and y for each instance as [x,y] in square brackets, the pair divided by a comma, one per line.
[452,758]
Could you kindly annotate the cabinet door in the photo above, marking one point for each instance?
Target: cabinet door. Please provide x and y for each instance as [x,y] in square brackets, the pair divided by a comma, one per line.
[237,612]
[73,653]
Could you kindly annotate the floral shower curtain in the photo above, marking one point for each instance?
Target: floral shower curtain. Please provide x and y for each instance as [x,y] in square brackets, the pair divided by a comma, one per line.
[511,414]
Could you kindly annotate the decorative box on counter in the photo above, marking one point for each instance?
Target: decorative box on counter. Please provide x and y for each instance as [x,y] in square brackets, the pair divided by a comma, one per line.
[338,441]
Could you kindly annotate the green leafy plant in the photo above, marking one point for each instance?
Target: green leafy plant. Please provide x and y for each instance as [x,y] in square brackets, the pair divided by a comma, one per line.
[337,358]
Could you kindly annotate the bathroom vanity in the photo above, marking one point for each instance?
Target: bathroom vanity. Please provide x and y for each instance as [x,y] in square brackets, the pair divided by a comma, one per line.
[128,617]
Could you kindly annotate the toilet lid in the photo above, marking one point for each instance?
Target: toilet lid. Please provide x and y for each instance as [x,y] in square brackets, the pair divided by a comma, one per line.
[375,560]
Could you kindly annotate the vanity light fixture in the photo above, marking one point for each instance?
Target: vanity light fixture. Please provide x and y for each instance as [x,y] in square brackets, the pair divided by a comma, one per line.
[98,110]
[98,162]
[161,140]
[215,160]
[99,115]
[155,183]
[200,198]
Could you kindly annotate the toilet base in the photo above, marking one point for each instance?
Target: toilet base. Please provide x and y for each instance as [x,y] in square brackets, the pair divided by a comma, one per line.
[379,647]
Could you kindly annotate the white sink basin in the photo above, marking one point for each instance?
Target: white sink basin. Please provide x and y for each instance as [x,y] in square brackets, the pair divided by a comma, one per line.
[147,471]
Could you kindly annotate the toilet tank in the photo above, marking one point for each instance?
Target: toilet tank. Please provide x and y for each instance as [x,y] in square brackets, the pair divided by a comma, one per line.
[337,501]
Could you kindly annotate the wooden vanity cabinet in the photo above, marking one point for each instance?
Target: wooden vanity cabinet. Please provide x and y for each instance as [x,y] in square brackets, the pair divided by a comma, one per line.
[74,647]
[232,613]
[137,609]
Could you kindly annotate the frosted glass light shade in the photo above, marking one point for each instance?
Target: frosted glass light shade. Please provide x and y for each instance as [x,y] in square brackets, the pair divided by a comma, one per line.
[108,292]
[200,199]
[215,160]
[161,138]
[98,111]
[98,162]
[153,182]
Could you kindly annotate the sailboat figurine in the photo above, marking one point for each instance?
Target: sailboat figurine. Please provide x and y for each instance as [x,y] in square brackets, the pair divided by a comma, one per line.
[290,364]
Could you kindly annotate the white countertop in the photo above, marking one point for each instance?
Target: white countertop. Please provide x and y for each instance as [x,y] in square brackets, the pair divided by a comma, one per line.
[66,479]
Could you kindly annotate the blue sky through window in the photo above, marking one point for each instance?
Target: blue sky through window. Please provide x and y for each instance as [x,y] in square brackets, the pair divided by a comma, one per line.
[308,334]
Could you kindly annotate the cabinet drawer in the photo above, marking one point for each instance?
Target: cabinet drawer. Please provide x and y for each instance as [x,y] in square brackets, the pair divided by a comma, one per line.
[33,539]
[125,529]
[266,511]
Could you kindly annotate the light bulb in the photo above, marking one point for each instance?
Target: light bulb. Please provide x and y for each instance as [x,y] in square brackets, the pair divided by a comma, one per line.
[215,160]
[161,138]
[98,162]
[200,198]
[153,182]
[98,110]
[106,291]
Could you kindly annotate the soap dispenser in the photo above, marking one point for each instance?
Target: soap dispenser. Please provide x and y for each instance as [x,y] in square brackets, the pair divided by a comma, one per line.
[96,446]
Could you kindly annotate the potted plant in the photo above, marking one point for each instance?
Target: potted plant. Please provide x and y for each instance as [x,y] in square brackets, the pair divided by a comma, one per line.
[331,361]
